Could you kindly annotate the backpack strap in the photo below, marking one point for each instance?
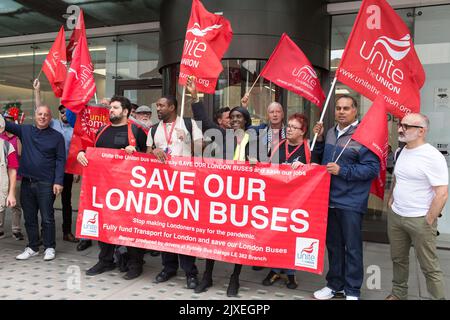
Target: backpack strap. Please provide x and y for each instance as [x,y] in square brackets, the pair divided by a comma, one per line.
[153,132]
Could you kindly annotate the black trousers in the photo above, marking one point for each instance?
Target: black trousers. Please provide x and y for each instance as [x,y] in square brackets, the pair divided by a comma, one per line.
[66,201]
[106,255]
[170,263]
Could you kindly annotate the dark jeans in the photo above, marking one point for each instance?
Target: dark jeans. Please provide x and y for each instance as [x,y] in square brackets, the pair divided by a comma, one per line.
[38,196]
[170,263]
[106,255]
[345,255]
[66,201]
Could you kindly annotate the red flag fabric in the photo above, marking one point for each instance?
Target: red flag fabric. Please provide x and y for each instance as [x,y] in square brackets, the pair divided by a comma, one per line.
[80,83]
[54,65]
[289,68]
[207,38]
[80,30]
[88,122]
[379,59]
[372,132]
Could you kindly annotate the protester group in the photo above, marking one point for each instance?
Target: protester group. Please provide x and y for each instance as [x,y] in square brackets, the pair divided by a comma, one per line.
[36,155]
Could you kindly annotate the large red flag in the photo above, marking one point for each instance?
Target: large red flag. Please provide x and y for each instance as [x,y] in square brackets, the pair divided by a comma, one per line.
[289,68]
[88,122]
[80,83]
[80,30]
[54,65]
[379,59]
[372,132]
[207,38]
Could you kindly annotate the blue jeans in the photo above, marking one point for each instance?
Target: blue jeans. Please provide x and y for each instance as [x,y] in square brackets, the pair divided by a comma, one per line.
[345,254]
[38,196]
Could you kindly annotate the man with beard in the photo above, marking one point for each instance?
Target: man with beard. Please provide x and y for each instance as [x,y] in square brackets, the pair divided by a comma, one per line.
[173,136]
[120,134]
[420,191]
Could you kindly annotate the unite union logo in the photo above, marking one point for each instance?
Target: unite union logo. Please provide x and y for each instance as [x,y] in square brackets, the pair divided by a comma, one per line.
[89,225]
[197,31]
[307,252]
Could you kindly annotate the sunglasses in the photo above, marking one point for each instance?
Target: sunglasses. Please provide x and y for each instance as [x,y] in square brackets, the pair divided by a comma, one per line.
[405,126]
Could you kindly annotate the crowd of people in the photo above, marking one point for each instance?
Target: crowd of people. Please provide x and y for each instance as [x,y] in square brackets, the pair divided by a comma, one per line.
[36,154]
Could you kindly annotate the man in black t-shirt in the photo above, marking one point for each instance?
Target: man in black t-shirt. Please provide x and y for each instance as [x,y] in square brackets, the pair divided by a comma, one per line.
[118,135]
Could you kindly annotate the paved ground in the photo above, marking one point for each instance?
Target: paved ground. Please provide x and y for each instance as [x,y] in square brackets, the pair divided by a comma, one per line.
[63,278]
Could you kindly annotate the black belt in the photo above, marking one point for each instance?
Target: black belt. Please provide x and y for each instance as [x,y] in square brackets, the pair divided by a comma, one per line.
[29,179]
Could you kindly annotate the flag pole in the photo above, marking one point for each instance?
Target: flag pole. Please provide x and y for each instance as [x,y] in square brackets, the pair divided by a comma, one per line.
[95,96]
[340,154]
[254,84]
[182,103]
[39,74]
[324,110]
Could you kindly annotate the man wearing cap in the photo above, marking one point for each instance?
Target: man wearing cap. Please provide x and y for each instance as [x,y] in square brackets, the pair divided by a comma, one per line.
[63,127]
[144,116]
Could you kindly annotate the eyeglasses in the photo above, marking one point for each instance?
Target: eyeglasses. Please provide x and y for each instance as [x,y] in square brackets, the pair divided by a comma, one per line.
[63,112]
[405,126]
[293,127]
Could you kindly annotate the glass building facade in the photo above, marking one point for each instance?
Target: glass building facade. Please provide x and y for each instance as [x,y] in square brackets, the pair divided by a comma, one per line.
[134,61]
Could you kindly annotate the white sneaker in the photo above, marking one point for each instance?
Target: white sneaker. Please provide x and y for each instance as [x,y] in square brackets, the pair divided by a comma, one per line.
[326,293]
[351,298]
[49,254]
[27,254]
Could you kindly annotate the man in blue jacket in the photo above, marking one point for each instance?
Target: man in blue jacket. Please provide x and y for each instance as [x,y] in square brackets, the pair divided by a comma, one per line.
[352,168]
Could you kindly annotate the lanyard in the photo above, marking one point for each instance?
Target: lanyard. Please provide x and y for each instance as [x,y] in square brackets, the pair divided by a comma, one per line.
[169,138]
[288,155]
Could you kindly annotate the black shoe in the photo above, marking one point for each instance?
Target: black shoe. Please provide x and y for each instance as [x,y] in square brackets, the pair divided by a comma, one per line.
[70,238]
[191,282]
[100,268]
[132,273]
[18,235]
[204,285]
[84,244]
[256,268]
[154,253]
[233,286]
[271,278]
[164,276]
[292,283]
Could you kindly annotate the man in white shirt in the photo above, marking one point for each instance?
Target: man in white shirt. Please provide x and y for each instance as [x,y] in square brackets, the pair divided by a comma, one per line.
[420,191]
[171,137]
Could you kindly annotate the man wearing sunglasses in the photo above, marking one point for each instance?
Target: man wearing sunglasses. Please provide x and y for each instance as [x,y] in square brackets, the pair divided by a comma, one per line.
[420,191]
[63,127]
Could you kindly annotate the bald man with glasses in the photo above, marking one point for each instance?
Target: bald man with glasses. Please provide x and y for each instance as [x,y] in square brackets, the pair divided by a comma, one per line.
[419,193]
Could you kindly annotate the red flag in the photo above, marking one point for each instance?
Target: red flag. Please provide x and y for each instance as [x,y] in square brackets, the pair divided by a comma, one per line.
[379,59]
[80,30]
[88,122]
[372,132]
[207,38]
[54,65]
[80,83]
[289,68]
